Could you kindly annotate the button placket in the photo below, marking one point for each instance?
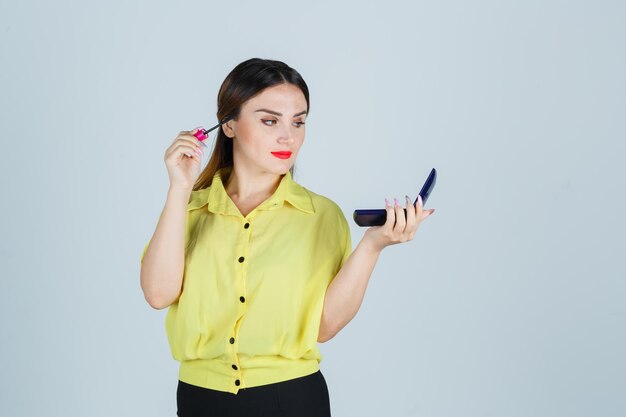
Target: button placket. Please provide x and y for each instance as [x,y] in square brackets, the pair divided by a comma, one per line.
[242,260]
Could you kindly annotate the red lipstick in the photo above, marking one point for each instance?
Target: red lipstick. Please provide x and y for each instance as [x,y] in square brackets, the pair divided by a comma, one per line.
[282,154]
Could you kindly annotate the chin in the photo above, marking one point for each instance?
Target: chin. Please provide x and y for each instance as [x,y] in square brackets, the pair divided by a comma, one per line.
[283,171]
[274,170]
[281,168]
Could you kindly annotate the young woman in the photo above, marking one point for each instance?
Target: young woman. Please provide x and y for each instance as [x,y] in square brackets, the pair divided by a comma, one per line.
[255,268]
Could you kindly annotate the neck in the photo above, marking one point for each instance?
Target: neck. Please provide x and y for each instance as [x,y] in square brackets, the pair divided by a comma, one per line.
[246,186]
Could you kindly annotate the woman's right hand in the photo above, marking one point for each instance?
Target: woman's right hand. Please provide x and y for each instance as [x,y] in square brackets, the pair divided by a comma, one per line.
[183,169]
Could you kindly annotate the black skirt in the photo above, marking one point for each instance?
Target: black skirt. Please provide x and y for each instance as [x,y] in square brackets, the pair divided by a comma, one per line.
[305,396]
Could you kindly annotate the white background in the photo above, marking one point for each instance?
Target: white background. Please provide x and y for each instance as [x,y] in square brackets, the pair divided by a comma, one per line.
[510,301]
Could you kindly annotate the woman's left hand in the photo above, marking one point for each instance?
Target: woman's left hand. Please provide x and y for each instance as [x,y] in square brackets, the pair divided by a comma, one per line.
[397,229]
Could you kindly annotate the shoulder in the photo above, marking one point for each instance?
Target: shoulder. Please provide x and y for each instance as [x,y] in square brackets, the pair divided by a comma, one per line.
[319,201]
[325,207]
[198,198]
[331,222]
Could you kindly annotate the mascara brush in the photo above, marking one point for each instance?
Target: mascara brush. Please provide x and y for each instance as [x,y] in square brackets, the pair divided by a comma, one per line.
[202,133]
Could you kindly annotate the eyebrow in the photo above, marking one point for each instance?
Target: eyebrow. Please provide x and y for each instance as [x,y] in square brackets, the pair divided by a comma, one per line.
[279,114]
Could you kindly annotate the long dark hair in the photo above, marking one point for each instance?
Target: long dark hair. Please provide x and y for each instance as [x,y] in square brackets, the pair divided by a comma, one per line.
[245,81]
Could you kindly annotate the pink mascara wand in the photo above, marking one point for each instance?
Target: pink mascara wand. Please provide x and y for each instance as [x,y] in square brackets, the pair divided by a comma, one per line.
[202,134]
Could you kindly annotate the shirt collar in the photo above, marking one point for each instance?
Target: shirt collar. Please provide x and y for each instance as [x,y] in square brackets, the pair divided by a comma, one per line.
[219,202]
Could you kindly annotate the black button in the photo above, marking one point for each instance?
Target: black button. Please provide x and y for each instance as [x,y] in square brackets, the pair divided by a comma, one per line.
[232,340]
[242,299]
[234,367]
[237,382]
[241,259]
[245,226]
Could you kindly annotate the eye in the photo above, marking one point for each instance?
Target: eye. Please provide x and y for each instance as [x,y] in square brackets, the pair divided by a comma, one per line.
[299,124]
[268,120]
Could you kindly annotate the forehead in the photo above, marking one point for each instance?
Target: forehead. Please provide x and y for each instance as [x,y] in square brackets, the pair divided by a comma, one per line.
[287,97]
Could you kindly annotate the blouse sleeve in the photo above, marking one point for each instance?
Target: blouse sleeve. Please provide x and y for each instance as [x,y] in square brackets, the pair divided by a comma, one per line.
[346,240]
[144,252]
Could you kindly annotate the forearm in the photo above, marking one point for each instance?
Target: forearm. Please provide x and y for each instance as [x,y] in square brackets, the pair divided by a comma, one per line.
[345,293]
[163,264]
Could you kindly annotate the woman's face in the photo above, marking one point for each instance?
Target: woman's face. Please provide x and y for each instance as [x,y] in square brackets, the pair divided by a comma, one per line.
[270,122]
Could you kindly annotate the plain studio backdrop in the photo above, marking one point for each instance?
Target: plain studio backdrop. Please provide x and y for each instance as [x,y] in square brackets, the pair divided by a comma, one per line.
[510,300]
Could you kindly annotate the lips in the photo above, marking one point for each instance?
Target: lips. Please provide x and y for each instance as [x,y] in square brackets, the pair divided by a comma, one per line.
[282,154]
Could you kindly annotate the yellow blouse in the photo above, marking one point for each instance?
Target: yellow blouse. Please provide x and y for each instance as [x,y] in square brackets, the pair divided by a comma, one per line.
[254,286]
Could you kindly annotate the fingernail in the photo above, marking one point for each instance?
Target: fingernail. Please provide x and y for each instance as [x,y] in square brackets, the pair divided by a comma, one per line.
[408,200]
[396,201]
[419,200]
[387,202]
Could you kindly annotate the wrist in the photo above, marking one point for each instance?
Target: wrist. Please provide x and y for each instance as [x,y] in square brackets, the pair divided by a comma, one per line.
[179,193]
[369,245]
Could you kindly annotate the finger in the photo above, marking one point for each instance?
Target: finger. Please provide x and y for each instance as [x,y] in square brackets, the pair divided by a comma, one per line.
[182,147]
[190,141]
[400,217]
[391,216]
[189,132]
[190,138]
[427,213]
[189,135]
[182,141]
[420,206]
[189,150]
[180,154]
[180,134]
[410,215]
[194,157]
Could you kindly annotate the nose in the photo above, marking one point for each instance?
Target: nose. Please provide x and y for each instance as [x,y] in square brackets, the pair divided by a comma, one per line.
[286,135]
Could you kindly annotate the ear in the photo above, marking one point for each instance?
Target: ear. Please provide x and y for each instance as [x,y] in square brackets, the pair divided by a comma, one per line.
[229,128]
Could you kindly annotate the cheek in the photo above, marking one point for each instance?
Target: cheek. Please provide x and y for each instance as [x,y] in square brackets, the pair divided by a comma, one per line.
[252,139]
[299,140]
[247,133]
